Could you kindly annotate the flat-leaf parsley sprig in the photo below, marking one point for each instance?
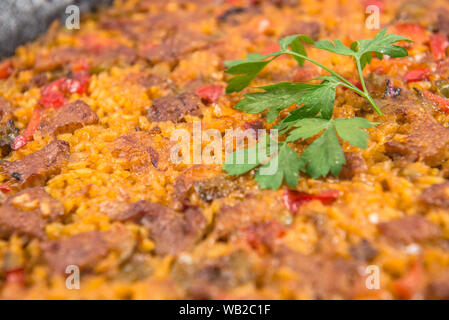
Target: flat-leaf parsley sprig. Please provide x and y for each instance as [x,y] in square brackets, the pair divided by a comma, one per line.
[315,108]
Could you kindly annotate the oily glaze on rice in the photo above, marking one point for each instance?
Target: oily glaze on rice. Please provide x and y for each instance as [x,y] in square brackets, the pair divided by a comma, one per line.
[150,229]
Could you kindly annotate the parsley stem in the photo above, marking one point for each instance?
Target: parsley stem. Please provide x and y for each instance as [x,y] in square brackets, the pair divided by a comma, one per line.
[325,68]
[367,95]
[346,83]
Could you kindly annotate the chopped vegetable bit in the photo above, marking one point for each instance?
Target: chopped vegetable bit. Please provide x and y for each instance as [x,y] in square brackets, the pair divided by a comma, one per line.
[210,93]
[442,103]
[28,133]
[16,276]
[438,44]
[417,75]
[294,199]
[406,286]
[6,69]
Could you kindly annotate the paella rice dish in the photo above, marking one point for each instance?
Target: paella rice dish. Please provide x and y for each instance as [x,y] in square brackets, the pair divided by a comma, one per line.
[88,182]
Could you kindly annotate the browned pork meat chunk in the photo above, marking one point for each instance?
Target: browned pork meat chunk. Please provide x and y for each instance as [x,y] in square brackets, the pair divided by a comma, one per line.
[438,288]
[425,139]
[171,231]
[443,21]
[26,211]
[409,229]
[174,108]
[67,119]
[83,250]
[311,29]
[87,249]
[363,251]
[58,58]
[22,222]
[175,47]
[139,148]
[436,195]
[324,277]
[208,278]
[37,167]
[355,165]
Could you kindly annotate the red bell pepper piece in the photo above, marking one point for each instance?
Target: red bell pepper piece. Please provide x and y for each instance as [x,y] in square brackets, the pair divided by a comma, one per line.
[261,236]
[78,82]
[16,276]
[53,95]
[5,187]
[6,69]
[417,75]
[441,102]
[411,31]
[28,133]
[406,286]
[210,93]
[294,199]
[378,3]
[438,44]
[79,65]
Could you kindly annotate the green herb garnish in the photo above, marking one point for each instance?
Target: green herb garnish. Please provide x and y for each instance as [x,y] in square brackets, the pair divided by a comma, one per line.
[314,113]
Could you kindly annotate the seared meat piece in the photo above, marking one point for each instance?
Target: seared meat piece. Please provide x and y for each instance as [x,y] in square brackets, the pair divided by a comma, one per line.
[426,140]
[234,222]
[140,150]
[409,229]
[208,182]
[363,251]
[175,47]
[174,108]
[37,167]
[67,119]
[58,58]
[208,278]
[285,3]
[83,250]
[438,288]
[214,188]
[172,232]
[22,222]
[355,165]
[436,196]
[322,276]
[311,29]
[87,249]
[26,211]
[443,21]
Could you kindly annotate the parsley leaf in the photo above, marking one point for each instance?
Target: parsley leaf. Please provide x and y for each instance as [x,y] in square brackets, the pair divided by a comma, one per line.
[244,160]
[313,115]
[362,50]
[380,45]
[351,130]
[336,47]
[287,164]
[295,42]
[246,70]
[324,155]
[307,128]
[318,98]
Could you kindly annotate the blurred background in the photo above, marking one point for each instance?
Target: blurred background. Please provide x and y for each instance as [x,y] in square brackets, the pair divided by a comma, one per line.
[25,20]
